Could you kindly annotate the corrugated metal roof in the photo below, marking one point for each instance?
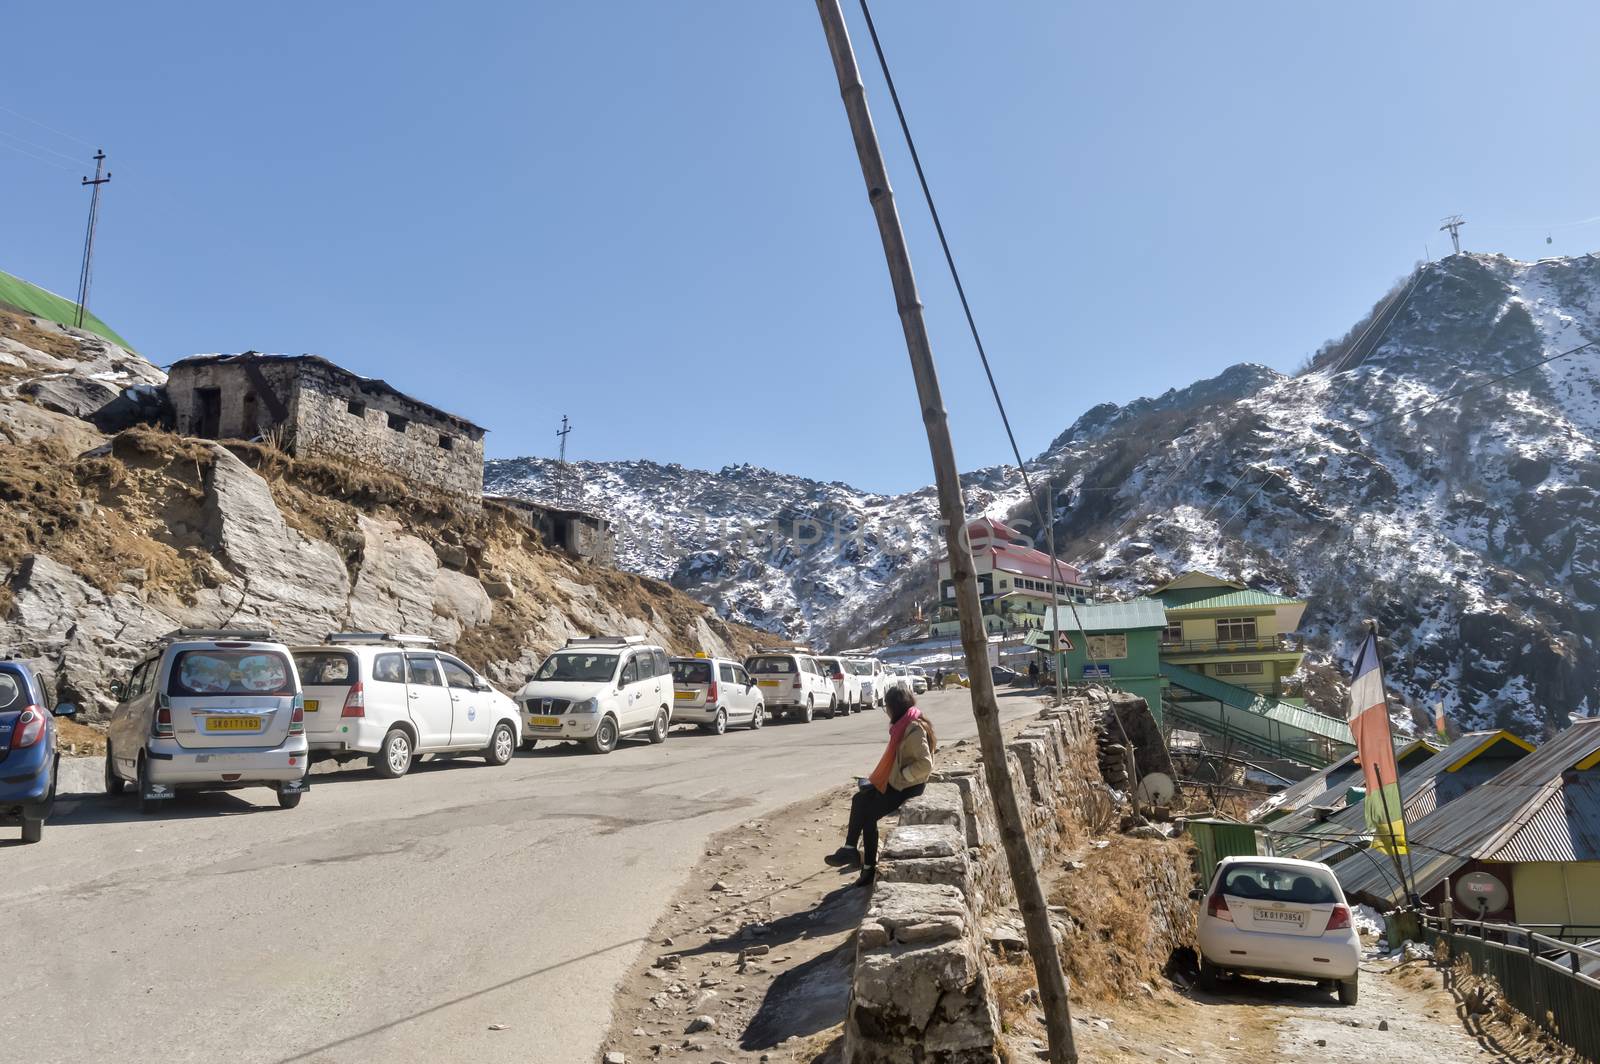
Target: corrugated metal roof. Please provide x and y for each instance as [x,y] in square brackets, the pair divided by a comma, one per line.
[1220,598]
[1133,615]
[1497,816]
[1298,795]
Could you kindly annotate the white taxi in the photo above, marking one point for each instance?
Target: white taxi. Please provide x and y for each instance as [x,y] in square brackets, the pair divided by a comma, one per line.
[597,692]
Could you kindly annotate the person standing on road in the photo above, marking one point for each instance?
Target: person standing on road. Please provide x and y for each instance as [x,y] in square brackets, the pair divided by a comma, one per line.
[1033,673]
[902,771]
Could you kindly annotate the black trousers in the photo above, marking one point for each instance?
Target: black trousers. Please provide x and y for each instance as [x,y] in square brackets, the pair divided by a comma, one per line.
[867,807]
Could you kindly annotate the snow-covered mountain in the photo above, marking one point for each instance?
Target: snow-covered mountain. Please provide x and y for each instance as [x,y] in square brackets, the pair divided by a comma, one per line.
[1467,528]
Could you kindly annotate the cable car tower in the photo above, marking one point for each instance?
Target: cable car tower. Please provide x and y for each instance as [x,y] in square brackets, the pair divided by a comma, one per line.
[1453,225]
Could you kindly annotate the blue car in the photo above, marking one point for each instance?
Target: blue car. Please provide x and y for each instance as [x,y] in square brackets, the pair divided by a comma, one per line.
[28,757]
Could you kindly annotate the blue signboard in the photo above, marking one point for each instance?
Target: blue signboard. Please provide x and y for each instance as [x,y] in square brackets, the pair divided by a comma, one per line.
[1097,672]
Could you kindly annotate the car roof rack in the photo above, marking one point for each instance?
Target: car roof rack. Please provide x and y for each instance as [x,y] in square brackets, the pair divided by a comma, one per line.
[786,648]
[367,638]
[231,635]
[606,641]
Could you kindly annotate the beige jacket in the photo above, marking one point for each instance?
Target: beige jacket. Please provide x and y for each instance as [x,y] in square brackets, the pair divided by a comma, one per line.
[913,761]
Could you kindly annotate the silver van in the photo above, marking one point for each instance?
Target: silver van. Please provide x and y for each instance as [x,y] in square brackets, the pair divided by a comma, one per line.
[209,709]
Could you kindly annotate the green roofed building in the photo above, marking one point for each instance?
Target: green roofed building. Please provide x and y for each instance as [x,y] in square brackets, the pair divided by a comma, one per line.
[23,297]
[1117,643]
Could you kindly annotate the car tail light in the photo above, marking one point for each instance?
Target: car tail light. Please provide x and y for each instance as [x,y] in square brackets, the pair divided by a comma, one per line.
[838,675]
[711,694]
[29,729]
[161,728]
[1340,917]
[1218,907]
[297,718]
[355,703]
[796,682]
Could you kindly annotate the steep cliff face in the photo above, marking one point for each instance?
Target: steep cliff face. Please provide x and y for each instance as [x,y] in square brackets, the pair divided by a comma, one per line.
[107,543]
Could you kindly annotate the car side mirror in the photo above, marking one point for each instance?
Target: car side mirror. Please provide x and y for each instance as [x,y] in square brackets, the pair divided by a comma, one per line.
[117,690]
[66,709]
[480,684]
[1196,895]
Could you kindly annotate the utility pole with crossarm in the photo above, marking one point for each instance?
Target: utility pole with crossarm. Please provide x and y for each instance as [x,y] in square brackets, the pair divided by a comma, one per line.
[88,236]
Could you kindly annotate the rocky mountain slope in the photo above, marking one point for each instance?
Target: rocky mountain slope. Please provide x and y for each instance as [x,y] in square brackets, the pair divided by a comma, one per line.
[108,542]
[1466,528]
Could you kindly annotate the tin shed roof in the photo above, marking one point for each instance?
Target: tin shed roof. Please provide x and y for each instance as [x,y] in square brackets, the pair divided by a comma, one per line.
[1133,615]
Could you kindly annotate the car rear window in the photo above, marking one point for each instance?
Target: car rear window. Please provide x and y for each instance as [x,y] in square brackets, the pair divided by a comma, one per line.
[1278,883]
[770,663]
[326,668]
[12,693]
[691,672]
[230,672]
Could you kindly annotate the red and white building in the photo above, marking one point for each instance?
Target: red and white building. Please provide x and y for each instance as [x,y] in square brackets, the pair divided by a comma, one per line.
[1014,580]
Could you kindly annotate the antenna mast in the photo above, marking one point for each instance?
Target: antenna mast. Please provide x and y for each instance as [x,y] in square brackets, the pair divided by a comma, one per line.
[565,428]
[1453,225]
[88,236]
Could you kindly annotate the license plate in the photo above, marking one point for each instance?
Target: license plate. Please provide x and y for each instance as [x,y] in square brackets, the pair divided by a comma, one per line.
[770,683]
[545,722]
[683,694]
[311,705]
[1281,916]
[216,724]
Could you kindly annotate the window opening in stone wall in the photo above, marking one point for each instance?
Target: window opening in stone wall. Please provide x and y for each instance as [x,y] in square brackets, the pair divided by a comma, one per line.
[398,423]
[446,443]
[248,429]
[357,408]
[208,403]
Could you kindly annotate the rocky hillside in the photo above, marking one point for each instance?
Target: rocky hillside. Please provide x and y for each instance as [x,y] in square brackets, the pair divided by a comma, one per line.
[1467,529]
[108,542]
[778,552]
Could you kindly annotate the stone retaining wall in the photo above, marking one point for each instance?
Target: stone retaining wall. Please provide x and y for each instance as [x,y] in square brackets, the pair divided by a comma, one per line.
[920,990]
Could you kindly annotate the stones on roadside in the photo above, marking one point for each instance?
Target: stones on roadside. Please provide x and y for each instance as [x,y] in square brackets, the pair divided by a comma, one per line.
[719,887]
[614,1056]
[701,1023]
[670,962]
[1383,1025]
[498,1027]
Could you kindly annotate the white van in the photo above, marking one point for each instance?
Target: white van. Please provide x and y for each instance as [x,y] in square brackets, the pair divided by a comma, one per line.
[597,692]
[793,685]
[846,683]
[392,698]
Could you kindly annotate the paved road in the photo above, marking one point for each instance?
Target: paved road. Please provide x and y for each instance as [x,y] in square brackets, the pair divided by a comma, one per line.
[387,920]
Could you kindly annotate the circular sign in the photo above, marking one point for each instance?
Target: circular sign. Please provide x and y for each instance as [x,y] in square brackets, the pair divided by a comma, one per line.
[1481,892]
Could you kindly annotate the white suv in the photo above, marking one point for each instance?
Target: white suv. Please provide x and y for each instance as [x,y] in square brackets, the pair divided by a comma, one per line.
[714,693]
[209,709]
[792,684]
[846,684]
[597,691]
[393,698]
[874,679]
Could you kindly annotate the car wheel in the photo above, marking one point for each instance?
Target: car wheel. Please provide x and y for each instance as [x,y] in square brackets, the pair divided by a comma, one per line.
[720,725]
[658,734]
[502,744]
[114,782]
[289,799]
[395,755]
[810,712]
[1208,975]
[32,830]
[142,782]
[605,737]
[758,718]
[833,707]
[1348,991]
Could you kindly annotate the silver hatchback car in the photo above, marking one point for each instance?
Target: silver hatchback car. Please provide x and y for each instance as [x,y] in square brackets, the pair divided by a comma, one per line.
[209,710]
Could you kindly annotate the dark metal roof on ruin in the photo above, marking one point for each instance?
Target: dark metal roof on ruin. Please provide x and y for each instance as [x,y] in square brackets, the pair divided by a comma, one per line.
[522,502]
[1545,807]
[364,383]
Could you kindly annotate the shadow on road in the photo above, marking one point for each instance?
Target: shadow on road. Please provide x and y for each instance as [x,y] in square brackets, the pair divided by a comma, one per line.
[93,809]
[1249,990]
[807,998]
[839,910]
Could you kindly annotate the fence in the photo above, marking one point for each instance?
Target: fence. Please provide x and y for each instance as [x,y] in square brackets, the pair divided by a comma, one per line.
[1553,983]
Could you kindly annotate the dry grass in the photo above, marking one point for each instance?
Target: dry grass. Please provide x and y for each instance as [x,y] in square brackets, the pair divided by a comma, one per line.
[23,330]
[1493,1019]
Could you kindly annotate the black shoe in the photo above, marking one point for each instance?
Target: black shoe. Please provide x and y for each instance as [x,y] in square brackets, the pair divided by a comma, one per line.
[868,874]
[843,857]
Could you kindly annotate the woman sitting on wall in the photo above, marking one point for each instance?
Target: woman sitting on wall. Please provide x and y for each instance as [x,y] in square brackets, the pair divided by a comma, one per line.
[902,771]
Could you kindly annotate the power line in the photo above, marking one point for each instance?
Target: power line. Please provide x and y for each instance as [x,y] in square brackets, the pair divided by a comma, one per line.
[1480,385]
[40,158]
[39,147]
[41,125]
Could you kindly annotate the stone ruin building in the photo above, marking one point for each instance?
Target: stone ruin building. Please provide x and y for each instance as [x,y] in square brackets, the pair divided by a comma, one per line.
[312,407]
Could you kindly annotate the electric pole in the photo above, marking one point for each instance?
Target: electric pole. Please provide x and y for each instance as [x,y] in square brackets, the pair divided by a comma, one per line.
[952,511]
[1452,225]
[561,433]
[88,236]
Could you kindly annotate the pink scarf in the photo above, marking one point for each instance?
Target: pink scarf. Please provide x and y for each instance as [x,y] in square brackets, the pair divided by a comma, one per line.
[897,731]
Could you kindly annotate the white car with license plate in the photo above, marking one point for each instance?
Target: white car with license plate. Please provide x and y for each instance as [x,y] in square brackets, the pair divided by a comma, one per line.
[715,693]
[1278,917]
[393,698]
[792,684]
[209,709]
[597,692]
[846,684]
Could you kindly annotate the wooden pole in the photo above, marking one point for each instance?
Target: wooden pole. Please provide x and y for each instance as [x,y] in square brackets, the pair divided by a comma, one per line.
[952,511]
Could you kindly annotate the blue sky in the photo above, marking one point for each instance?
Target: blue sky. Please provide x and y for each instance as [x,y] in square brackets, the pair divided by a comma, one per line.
[648,215]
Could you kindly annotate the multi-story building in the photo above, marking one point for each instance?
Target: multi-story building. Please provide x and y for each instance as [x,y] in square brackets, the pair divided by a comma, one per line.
[1230,632]
[1014,580]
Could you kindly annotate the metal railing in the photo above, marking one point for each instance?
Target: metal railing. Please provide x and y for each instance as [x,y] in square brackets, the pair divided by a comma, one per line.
[1551,981]
[1265,644]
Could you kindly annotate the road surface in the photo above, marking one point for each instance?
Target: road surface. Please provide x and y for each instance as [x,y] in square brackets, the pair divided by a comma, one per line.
[387,920]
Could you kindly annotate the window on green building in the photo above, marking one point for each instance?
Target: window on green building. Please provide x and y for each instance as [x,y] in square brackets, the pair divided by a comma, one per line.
[1230,629]
[1238,668]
